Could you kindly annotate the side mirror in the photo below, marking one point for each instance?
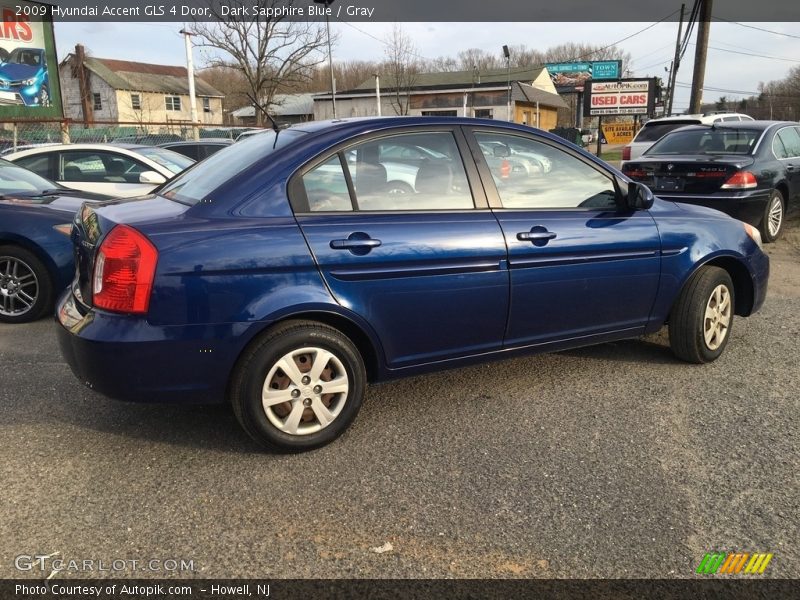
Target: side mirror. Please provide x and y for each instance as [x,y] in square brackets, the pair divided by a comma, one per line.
[639,196]
[152,177]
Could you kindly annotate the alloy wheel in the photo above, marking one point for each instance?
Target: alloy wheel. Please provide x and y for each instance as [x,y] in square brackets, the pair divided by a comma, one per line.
[19,287]
[716,321]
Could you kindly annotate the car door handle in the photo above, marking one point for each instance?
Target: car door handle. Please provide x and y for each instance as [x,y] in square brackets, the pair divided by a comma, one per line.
[536,235]
[358,243]
[792,168]
[348,244]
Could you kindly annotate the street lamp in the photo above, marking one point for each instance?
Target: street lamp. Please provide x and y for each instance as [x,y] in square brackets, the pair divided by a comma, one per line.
[507,54]
[327,4]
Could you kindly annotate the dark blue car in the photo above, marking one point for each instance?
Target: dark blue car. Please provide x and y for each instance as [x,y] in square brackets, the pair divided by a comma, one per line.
[285,272]
[35,249]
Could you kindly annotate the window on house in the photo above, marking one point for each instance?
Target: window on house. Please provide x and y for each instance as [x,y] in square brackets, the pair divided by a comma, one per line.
[439,113]
[483,113]
[173,102]
[136,101]
[207,105]
[98,102]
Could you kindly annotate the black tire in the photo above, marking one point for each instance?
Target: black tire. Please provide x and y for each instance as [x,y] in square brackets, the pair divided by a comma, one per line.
[259,362]
[776,207]
[16,291]
[687,321]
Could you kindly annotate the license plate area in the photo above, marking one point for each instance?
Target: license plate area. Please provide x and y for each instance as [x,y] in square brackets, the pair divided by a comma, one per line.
[669,184]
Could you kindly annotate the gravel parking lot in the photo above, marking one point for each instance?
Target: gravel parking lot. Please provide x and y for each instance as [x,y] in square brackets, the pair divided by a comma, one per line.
[611,461]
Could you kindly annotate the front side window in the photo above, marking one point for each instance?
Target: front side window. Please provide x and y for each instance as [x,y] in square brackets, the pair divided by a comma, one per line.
[415,171]
[173,102]
[532,175]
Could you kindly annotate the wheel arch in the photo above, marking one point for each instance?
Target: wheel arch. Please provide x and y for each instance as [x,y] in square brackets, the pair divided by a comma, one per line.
[36,250]
[365,341]
[743,291]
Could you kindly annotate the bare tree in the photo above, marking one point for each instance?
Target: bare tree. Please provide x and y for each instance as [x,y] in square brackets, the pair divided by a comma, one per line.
[269,51]
[403,69]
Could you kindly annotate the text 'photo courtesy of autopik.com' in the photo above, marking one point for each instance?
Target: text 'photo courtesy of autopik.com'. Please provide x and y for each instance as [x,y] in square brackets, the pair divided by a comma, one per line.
[368,299]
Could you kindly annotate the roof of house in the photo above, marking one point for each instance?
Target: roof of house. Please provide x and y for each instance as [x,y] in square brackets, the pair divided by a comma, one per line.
[146,77]
[460,79]
[282,105]
[522,92]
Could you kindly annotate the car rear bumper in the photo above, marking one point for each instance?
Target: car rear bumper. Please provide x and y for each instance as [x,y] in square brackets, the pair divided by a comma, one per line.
[145,363]
[747,206]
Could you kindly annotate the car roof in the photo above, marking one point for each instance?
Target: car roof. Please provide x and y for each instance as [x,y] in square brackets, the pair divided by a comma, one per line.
[220,141]
[757,125]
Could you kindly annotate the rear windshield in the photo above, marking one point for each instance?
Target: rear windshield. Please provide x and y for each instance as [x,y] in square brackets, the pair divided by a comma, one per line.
[195,185]
[707,141]
[655,131]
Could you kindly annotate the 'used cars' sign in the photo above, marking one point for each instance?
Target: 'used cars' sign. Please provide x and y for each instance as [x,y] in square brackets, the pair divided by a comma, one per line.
[623,97]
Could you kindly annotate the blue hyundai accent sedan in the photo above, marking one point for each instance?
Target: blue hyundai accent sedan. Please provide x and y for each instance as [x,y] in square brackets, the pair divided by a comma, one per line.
[287,271]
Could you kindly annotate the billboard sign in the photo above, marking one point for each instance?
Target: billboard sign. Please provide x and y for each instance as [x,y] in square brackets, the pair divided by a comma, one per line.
[623,97]
[29,85]
[575,74]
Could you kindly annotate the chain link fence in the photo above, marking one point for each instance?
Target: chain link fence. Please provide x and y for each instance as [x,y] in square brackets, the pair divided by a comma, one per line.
[20,135]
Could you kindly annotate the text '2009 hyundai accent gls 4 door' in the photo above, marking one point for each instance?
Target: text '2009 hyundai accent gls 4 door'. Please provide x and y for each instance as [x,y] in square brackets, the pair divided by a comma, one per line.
[288,270]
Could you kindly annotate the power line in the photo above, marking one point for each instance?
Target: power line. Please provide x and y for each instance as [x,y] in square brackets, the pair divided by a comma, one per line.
[797,37]
[794,60]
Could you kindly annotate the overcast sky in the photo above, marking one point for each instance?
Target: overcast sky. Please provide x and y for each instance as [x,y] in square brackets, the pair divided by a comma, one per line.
[729,67]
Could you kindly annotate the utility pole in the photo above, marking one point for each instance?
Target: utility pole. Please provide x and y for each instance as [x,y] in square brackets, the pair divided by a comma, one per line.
[508,78]
[378,93]
[701,51]
[327,4]
[83,85]
[190,71]
[673,71]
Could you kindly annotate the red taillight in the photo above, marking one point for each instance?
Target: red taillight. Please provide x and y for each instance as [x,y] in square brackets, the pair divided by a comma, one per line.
[626,153]
[123,271]
[741,180]
[635,172]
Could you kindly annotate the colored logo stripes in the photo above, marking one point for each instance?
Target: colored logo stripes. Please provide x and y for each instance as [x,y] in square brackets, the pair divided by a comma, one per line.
[734,563]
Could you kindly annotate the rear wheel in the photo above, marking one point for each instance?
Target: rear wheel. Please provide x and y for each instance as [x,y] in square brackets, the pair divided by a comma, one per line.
[774,214]
[701,320]
[26,291]
[298,387]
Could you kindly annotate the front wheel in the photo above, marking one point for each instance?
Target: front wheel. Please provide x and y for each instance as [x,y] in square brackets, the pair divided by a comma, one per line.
[701,320]
[26,291]
[298,387]
[774,214]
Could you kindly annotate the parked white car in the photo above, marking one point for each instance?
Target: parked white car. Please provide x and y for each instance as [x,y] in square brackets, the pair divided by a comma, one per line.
[121,170]
[654,129]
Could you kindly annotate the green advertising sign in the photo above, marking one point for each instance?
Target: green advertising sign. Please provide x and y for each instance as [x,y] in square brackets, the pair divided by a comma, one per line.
[576,73]
[29,85]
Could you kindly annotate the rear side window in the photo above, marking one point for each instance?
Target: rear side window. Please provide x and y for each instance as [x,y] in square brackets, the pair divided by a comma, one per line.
[405,172]
[652,132]
[789,139]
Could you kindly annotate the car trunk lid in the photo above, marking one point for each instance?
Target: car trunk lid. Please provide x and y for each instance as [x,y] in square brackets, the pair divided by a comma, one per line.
[93,222]
[701,174]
